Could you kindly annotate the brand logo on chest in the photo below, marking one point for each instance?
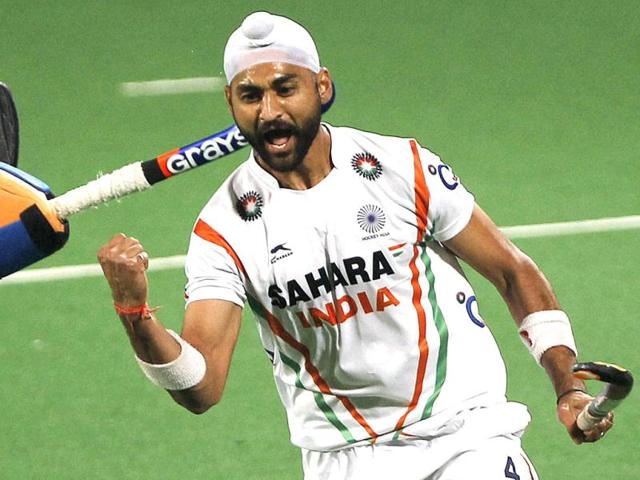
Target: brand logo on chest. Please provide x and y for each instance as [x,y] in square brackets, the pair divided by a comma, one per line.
[280,251]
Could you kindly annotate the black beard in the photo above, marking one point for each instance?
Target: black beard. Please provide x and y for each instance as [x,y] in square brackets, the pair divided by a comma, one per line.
[304,134]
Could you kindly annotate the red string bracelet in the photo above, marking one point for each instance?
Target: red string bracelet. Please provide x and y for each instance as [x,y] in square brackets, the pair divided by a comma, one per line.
[143,310]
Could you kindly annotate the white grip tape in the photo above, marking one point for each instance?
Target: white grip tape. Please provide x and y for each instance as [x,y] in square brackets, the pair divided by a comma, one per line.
[586,421]
[120,182]
[542,330]
[184,372]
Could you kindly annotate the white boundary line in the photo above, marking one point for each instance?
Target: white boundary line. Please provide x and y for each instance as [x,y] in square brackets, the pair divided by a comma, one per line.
[177,261]
[83,271]
[172,86]
[570,228]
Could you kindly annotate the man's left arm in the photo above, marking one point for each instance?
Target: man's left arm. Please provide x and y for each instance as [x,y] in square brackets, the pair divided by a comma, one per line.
[530,299]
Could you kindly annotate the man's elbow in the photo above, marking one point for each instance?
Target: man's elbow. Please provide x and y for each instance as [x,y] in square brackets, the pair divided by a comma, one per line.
[198,409]
[518,270]
[524,274]
[196,404]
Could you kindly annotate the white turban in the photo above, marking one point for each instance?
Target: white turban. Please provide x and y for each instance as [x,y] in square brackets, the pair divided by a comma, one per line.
[264,38]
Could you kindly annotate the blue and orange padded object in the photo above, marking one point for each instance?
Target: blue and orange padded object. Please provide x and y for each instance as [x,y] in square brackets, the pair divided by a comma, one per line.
[29,230]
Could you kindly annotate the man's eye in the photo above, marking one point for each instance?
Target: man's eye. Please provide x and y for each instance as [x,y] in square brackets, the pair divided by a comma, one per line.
[286,90]
[250,97]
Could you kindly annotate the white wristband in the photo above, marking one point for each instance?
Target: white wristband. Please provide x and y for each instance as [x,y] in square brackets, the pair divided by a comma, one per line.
[540,331]
[184,372]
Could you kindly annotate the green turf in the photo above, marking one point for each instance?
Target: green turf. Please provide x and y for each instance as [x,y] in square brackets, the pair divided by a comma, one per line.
[535,103]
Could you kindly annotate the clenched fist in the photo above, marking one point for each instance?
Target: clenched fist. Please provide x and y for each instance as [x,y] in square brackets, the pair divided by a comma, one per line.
[124,263]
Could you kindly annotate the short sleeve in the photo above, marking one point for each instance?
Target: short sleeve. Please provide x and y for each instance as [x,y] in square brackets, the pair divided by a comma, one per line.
[212,273]
[450,204]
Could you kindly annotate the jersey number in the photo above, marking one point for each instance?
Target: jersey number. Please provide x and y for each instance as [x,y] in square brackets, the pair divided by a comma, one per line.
[510,470]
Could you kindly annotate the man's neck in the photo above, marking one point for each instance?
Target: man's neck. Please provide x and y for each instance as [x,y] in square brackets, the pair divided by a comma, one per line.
[315,166]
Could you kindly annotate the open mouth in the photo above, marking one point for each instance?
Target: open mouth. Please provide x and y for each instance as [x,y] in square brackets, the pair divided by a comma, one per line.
[279,138]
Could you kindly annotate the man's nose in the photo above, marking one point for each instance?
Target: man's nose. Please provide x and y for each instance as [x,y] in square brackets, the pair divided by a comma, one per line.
[271,107]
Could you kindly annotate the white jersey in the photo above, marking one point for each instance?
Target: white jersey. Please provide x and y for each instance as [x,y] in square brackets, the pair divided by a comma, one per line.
[370,323]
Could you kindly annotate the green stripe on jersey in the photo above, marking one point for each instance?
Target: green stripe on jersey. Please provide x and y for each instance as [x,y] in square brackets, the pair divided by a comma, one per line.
[260,312]
[443,333]
[320,401]
[256,306]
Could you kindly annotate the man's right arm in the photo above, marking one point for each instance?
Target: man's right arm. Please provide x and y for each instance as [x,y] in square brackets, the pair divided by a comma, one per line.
[210,326]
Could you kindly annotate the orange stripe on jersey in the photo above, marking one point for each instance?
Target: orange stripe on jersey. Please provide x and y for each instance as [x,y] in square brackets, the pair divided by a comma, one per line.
[278,329]
[162,162]
[396,247]
[206,232]
[421,191]
[422,207]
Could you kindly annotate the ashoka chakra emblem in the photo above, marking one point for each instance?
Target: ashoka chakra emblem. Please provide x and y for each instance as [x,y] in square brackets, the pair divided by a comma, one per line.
[371,218]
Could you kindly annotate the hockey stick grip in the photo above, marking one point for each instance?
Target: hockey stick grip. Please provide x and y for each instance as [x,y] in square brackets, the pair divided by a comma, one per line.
[586,421]
[618,384]
[116,184]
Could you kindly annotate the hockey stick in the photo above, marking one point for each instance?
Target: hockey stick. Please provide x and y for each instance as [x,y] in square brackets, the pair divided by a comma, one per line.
[618,384]
[139,176]
[9,127]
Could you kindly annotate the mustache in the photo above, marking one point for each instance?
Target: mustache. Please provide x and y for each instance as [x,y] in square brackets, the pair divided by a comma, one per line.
[273,125]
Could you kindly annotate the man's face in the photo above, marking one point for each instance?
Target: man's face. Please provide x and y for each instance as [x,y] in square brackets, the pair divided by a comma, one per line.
[277,108]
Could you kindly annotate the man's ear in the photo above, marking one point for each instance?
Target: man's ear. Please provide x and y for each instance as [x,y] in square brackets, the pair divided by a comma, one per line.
[227,95]
[324,84]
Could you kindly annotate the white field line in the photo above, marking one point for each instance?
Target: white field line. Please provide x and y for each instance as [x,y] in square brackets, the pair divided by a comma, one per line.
[177,261]
[172,86]
[571,228]
[84,271]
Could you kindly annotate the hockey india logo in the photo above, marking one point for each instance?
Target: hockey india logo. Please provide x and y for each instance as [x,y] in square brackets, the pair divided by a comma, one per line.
[366,165]
[250,205]
[371,218]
